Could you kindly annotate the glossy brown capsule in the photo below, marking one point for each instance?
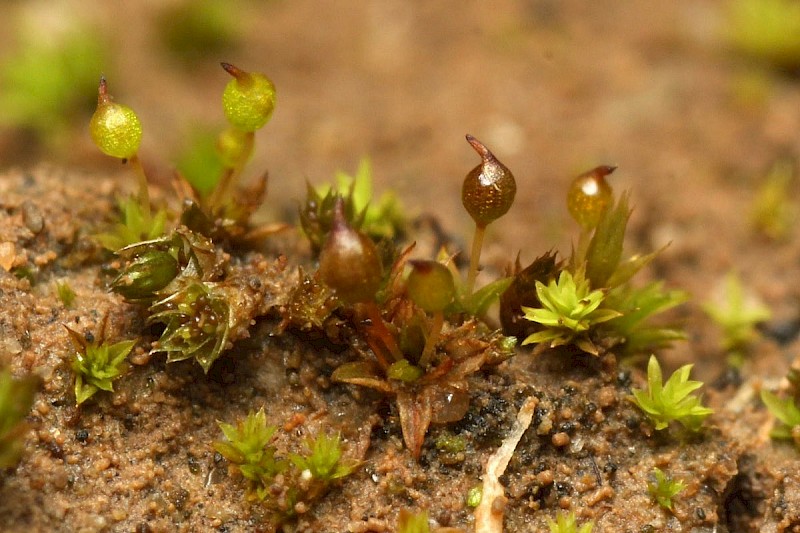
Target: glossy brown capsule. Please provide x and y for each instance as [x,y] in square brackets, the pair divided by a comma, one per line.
[349,262]
[489,188]
[589,196]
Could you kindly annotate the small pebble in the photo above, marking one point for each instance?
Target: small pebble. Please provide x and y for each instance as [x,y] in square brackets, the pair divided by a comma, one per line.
[560,439]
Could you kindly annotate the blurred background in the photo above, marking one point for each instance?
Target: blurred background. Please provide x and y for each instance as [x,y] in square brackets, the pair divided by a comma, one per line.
[694,100]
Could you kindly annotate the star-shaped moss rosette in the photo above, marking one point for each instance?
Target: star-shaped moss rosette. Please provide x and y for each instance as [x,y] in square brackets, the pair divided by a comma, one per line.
[569,312]
[97,364]
[664,488]
[248,446]
[671,401]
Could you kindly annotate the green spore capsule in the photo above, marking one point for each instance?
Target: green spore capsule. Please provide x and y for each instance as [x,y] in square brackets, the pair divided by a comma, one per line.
[147,274]
[489,189]
[114,128]
[430,285]
[589,196]
[248,99]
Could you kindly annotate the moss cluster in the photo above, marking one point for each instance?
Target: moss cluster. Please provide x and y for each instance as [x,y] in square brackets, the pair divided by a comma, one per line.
[420,326]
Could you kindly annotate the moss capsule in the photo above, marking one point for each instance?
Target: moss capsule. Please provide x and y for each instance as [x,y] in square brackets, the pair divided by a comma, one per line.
[248,99]
[589,196]
[489,189]
[430,285]
[349,262]
[115,128]
[147,274]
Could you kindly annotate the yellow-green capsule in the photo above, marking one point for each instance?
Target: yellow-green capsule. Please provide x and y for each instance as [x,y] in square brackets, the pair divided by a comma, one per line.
[589,196]
[248,99]
[430,285]
[115,128]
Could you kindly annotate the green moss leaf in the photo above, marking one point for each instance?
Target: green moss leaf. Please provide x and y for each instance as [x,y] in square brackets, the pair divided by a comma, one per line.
[605,247]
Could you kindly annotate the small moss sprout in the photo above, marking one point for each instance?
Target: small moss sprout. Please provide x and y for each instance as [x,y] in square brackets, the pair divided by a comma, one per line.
[97,364]
[737,314]
[65,293]
[664,488]
[248,446]
[285,484]
[568,523]
[323,460]
[671,401]
[787,414]
[474,496]
[775,211]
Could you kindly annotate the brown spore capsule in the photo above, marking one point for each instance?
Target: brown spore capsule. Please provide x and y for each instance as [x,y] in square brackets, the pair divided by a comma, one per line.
[349,262]
[489,188]
[589,196]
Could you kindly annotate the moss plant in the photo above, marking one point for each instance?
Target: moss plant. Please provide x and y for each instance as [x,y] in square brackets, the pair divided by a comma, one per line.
[282,486]
[568,523]
[663,489]
[323,459]
[218,206]
[671,401]
[97,364]
[248,447]
[65,293]
[787,413]
[599,308]
[198,321]
[134,226]
[381,218]
[16,398]
[737,316]
[415,373]
[569,310]
[116,130]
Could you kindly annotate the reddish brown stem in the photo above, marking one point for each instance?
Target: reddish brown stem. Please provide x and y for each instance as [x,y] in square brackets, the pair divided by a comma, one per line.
[382,332]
